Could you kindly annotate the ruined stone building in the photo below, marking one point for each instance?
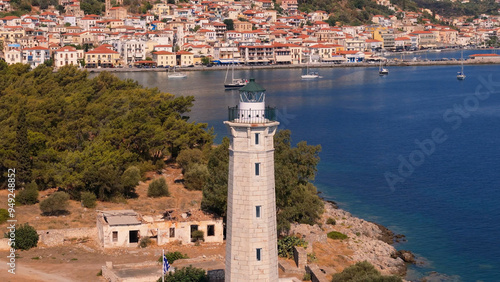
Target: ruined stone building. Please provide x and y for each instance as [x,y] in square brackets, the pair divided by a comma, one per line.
[125,228]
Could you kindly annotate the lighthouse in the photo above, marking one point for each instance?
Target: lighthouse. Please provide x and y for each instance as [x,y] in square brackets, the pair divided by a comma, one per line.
[251,236]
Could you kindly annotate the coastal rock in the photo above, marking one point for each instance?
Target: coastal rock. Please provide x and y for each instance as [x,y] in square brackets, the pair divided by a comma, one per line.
[406,256]
[367,241]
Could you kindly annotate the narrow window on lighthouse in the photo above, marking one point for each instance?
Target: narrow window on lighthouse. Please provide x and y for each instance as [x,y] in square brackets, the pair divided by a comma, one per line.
[257,211]
[257,168]
[256,138]
[259,251]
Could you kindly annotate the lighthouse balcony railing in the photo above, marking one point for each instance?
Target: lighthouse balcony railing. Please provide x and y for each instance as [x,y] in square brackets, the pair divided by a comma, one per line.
[238,115]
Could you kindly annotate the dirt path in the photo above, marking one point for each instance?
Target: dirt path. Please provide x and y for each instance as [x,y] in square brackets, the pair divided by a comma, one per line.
[28,273]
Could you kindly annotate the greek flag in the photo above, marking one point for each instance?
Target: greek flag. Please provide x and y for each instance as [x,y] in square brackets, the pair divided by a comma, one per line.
[166,266]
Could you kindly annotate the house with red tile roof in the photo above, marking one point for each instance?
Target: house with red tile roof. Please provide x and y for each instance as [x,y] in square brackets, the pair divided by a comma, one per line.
[10,21]
[67,55]
[102,56]
[35,56]
[485,57]
[184,58]
[164,58]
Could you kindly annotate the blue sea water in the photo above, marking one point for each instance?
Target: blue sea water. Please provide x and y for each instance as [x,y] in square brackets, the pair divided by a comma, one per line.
[447,205]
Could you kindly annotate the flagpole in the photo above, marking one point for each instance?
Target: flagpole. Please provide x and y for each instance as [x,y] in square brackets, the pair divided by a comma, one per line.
[162,265]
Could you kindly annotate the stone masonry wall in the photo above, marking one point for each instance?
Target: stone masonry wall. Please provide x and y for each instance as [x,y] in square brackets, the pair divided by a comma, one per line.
[53,237]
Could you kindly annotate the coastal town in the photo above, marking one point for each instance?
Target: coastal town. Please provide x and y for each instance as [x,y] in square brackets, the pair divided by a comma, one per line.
[108,179]
[259,32]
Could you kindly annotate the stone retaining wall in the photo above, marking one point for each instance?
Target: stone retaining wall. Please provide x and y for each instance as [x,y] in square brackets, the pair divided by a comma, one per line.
[54,237]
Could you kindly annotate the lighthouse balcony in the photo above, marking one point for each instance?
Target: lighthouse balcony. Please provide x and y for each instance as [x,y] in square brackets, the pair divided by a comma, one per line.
[238,115]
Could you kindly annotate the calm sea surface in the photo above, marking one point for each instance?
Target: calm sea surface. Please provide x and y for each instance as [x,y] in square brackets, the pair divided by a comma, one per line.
[369,127]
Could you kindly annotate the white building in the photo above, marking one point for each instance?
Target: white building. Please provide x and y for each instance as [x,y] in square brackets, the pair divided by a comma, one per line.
[125,228]
[131,50]
[251,241]
[13,56]
[35,56]
[67,55]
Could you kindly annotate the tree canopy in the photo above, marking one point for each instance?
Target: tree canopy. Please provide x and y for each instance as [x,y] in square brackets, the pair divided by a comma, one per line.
[82,133]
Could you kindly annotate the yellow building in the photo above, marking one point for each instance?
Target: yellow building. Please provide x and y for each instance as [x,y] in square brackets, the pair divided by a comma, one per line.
[164,58]
[12,34]
[102,56]
[185,58]
[386,36]
[161,9]
[242,26]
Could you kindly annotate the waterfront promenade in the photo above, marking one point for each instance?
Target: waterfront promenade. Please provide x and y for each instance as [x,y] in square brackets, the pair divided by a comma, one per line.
[400,63]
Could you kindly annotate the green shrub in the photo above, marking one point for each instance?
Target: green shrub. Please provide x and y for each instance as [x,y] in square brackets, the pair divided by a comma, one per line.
[197,235]
[173,256]
[4,215]
[187,157]
[26,237]
[145,241]
[286,244]
[130,179]
[311,257]
[158,188]
[55,204]
[196,176]
[89,200]
[331,221]
[186,274]
[29,195]
[306,277]
[363,271]
[336,235]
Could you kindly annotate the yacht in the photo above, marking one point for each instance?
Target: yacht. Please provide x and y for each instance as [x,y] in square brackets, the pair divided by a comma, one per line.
[310,74]
[235,82]
[461,74]
[176,74]
[382,70]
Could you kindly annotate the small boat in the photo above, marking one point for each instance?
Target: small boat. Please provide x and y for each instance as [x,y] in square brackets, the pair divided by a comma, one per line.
[176,75]
[310,74]
[382,71]
[461,74]
[235,82]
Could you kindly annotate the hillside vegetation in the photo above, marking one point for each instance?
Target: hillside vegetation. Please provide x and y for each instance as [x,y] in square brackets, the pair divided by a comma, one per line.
[357,12]
[66,130]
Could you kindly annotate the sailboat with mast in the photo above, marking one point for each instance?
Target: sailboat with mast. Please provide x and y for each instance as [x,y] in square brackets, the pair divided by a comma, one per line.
[461,74]
[176,74]
[382,70]
[235,82]
[310,74]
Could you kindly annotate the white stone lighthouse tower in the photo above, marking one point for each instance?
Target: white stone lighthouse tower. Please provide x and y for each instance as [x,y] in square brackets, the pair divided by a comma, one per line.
[251,247]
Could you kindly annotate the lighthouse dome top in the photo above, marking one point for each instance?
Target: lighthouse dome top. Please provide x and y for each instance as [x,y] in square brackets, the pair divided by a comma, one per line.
[252,86]
[252,93]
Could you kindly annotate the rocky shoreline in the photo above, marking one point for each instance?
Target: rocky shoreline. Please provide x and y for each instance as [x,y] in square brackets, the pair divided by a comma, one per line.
[367,241]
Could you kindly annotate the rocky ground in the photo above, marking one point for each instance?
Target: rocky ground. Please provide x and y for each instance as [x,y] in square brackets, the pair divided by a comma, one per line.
[81,261]
[366,241]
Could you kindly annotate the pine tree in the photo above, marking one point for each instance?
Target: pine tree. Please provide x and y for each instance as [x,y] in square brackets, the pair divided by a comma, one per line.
[23,157]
